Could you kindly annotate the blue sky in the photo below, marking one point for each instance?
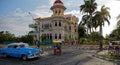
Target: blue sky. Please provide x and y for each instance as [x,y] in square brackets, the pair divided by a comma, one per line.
[14,15]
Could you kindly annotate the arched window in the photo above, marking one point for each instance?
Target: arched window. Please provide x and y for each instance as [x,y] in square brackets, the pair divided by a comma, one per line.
[59,36]
[55,23]
[42,26]
[47,36]
[69,27]
[75,30]
[59,11]
[60,23]
[55,11]
[55,36]
[50,36]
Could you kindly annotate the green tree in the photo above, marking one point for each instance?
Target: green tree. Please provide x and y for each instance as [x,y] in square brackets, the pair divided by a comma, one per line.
[96,36]
[26,39]
[101,17]
[6,36]
[115,35]
[81,31]
[85,21]
[9,36]
[43,37]
[2,37]
[89,8]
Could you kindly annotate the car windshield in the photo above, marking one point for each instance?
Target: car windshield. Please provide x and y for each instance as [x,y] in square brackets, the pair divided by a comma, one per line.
[12,46]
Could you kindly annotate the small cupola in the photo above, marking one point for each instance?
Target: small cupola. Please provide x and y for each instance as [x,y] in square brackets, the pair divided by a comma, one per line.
[58,8]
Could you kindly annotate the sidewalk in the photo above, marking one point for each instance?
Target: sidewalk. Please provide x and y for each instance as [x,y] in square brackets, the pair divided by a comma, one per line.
[106,59]
[97,61]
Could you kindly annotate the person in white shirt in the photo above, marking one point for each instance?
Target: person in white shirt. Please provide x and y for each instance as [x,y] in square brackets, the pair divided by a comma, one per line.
[110,45]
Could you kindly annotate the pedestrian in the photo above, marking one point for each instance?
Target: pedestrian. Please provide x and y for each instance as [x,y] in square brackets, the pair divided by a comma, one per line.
[117,50]
[110,45]
[38,45]
[101,46]
[110,49]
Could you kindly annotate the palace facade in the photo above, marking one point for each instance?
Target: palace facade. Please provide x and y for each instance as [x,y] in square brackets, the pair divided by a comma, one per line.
[59,26]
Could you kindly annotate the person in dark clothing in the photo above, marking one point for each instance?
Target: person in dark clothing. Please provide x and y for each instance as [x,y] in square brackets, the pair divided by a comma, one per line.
[38,45]
[100,46]
[57,49]
[117,50]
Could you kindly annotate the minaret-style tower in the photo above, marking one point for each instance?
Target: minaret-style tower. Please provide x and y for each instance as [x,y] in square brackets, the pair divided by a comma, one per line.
[58,8]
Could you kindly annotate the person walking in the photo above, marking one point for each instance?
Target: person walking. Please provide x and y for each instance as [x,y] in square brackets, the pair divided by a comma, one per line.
[110,45]
[110,48]
[101,47]
[117,50]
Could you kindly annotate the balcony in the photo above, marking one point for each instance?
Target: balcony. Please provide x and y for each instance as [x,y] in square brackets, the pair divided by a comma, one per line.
[33,25]
[32,32]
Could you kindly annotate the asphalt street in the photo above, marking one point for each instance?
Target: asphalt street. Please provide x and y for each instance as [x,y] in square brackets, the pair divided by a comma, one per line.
[71,55]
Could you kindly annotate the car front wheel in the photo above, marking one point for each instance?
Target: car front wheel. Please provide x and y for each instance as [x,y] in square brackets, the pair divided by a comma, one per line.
[24,57]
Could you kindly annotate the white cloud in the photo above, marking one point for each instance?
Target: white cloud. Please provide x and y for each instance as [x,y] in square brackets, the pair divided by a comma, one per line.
[51,2]
[42,7]
[69,3]
[76,13]
[16,23]
[41,11]
[114,12]
[34,0]
[19,13]
[102,2]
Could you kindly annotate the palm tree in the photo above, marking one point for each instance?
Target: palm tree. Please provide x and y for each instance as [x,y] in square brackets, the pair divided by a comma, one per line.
[115,35]
[85,21]
[101,17]
[89,8]
[118,19]
[81,31]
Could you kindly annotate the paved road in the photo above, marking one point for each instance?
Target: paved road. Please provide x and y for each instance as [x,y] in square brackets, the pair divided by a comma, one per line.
[71,56]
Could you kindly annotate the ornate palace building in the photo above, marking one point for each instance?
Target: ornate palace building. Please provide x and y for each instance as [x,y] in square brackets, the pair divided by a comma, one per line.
[59,26]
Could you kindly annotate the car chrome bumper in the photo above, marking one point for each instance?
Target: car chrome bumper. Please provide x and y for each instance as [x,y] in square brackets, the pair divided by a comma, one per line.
[34,55]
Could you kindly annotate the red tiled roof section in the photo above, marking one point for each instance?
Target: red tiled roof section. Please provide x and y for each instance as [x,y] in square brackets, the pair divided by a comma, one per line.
[37,19]
[58,1]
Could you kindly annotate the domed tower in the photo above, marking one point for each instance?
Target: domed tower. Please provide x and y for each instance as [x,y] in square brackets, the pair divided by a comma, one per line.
[58,8]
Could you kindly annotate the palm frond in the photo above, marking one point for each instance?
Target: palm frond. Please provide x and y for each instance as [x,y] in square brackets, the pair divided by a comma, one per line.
[118,17]
[106,19]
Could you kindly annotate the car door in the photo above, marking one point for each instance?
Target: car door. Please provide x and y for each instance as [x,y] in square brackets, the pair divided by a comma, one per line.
[10,50]
[16,51]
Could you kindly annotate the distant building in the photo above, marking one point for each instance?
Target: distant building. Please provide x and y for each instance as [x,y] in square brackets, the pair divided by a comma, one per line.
[59,26]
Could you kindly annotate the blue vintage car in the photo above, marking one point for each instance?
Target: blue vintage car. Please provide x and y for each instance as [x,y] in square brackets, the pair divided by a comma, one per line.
[20,50]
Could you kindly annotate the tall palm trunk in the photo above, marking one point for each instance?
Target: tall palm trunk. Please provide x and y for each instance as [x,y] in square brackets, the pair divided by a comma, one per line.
[101,30]
[91,25]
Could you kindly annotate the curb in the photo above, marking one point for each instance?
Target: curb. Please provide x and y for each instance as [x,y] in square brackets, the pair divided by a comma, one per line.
[106,59]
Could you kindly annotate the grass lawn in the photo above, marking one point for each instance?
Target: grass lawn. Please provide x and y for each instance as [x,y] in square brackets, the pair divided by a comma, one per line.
[109,56]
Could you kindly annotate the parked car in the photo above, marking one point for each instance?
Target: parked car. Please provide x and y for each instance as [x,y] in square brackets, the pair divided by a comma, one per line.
[20,50]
